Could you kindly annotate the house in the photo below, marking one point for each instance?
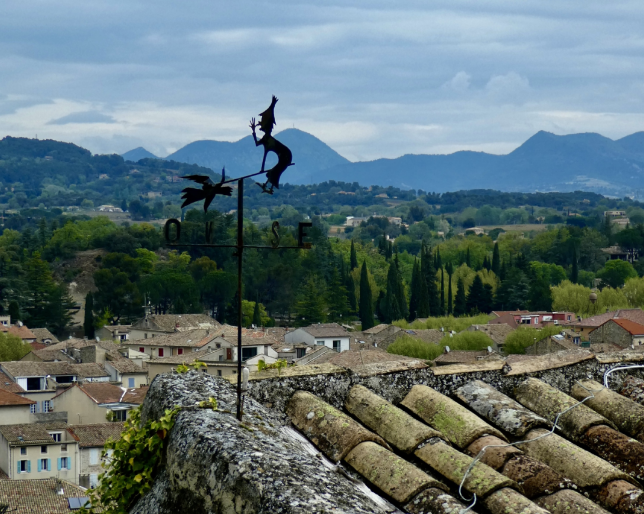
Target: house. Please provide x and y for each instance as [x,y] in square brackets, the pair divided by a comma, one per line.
[114,332]
[98,402]
[44,336]
[497,332]
[91,441]
[614,214]
[465,356]
[394,220]
[623,332]
[331,335]
[109,208]
[216,365]
[15,409]
[127,373]
[20,331]
[354,221]
[380,336]
[41,381]
[587,325]
[173,343]
[567,340]
[477,231]
[46,496]
[38,450]
[618,253]
[291,352]
[532,319]
[155,325]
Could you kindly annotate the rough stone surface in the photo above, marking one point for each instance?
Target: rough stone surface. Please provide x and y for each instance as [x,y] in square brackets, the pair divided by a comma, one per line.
[391,474]
[569,502]
[508,501]
[214,464]
[435,501]
[332,431]
[452,464]
[547,401]
[624,412]
[460,426]
[583,468]
[500,410]
[623,452]
[391,423]
[622,497]
[496,452]
[633,388]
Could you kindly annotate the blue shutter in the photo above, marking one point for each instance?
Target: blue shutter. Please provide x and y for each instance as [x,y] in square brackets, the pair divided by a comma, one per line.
[39,465]
[69,463]
[59,463]
[28,466]
[48,464]
[18,466]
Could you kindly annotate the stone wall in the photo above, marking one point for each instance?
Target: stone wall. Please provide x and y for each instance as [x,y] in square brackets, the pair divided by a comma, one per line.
[546,345]
[611,333]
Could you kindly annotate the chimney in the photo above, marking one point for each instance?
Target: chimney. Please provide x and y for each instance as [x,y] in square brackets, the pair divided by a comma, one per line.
[447,349]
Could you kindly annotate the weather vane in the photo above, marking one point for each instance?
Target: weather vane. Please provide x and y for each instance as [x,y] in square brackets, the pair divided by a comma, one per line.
[210,189]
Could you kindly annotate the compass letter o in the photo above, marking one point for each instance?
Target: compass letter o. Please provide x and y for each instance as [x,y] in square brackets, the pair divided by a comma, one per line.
[166,230]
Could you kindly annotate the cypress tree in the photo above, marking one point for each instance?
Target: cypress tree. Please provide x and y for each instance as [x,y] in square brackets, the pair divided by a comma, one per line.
[390,250]
[439,262]
[468,259]
[460,303]
[415,292]
[353,258]
[366,301]
[429,273]
[423,296]
[496,260]
[337,297]
[310,306]
[442,303]
[257,317]
[475,296]
[450,271]
[487,302]
[88,323]
[14,311]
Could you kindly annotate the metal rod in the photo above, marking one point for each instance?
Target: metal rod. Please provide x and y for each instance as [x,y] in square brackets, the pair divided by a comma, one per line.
[240,249]
[242,178]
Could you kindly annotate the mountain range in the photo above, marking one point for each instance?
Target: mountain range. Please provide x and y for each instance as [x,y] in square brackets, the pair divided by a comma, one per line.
[545,162]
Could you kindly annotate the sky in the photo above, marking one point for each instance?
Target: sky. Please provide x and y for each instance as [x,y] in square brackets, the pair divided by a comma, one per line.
[371,79]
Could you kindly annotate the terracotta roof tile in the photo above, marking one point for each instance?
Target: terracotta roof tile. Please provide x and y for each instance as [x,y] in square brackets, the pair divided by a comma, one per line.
[326,330]
[7,398]
[170,322]
[37,346]
[32,433]
[38,496]
[135,395]
[353,359]
[9,385]
[631,327]
[43,334]
[21,331]
[40,369]
[124,365]
[95,435]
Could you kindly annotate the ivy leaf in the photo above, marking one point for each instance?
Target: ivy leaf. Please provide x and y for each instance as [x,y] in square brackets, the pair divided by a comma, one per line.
[138,478]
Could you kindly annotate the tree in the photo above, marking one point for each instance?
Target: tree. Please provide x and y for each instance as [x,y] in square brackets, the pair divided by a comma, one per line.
[14,311]
[496,260]
[310,306]
[257,319]
[616,273]
[468,258]
[40,284]
[61,305]
[88,324]
[540,295]
[460,303]
[429,272]
[336,297]
[487,302]
[475,296]
[395,305]
[450,270]
[415,292]
[442,300]
[366,300]
[574,271]
[12,348]
[353,261]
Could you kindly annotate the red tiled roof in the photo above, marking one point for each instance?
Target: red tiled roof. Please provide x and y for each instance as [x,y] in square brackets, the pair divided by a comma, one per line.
[37,346]
[7,398]
[95,435]
[22,332]
[631,327]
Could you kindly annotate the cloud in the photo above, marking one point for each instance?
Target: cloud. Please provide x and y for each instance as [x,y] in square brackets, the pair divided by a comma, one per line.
[83,117]
[508,88]
[460,82]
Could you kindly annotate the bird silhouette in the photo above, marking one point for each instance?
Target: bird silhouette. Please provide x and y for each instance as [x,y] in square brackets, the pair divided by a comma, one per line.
[270,144]
[207,192]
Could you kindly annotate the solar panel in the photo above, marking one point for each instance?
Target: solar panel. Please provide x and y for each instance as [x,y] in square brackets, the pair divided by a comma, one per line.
[77,503]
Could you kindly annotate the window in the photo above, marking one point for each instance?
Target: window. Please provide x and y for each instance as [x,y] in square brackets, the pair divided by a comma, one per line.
[141,349]
[44,465]
[63,447]
[34,384]
[130,382]
[336,346]
[221,358]
[218,372]
[64,463]
[249,353]
[120,415]
[23,450]
[145,336]
[57,436]
[24,466]
[45,406]
[319,343]
[300,352]
[180,351]
[160,352]
[204,370]
[43,449]
[94,456]
[33,408]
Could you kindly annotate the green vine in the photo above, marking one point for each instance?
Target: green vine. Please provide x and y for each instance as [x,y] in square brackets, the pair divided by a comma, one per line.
[133,464]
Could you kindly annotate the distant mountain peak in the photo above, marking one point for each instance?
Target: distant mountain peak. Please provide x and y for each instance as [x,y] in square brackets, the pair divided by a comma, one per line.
[137,154]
